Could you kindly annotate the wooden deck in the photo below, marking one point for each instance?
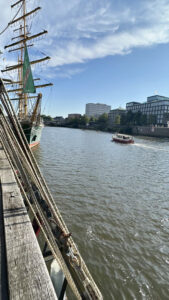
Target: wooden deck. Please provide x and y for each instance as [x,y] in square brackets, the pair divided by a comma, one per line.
[23,273]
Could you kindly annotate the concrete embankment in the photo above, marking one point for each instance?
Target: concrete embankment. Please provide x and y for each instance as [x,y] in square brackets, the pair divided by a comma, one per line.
[151,131]
[133,130]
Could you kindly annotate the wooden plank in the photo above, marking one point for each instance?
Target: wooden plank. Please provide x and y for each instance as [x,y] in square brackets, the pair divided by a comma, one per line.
[28,277]
[3,269]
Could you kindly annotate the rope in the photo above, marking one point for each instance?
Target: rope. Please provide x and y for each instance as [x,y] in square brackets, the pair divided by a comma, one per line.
[9,147]
[14,138]
[11,20]
[22,159]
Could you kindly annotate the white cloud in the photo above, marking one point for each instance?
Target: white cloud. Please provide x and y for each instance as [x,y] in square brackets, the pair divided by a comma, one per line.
[63,72]
[80,30]
[5,17]
[97,29]
[120,43]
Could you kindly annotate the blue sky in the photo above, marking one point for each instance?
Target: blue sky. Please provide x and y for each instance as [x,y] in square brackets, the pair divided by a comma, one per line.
[103,51]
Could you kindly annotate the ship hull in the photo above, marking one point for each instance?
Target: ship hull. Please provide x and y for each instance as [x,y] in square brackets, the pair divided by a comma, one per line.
[32,133]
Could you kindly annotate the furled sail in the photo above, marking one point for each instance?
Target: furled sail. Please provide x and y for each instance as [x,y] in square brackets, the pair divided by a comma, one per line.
[28,83]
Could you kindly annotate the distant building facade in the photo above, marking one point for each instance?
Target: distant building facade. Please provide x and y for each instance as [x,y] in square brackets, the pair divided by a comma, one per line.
[59,120]
[112,116]
[156,105]
[71,116]
[96,109]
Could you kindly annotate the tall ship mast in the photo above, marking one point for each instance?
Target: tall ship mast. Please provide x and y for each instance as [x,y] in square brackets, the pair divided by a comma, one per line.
[23,89]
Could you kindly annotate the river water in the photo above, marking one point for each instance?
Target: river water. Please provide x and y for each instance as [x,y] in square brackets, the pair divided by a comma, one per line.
[115,200]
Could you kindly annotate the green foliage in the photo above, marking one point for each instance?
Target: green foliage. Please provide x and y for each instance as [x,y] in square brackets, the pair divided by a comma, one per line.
[137,118]
[103,118]
[102,122]
[117,120]
[143,120]
[92,119]
[47,118]
[77,122]
[151,119]
[84,120]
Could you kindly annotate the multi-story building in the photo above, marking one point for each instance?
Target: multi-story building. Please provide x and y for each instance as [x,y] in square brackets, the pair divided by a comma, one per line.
[156,105]
[59,120]
[113,113]
[72,116]
[96,109]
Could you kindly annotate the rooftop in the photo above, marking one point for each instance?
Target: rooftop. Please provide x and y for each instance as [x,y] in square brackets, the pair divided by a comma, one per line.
[156,98]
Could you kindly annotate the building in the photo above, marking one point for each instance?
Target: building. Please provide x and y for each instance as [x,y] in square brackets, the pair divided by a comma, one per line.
[156,105]
[59,120]
[72,116]
[96,109]
[112,116]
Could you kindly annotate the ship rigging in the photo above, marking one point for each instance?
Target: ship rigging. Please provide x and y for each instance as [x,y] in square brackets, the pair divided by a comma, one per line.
[23,87]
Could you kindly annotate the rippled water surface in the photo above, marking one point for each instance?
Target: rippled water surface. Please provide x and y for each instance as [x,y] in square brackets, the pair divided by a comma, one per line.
[115,200]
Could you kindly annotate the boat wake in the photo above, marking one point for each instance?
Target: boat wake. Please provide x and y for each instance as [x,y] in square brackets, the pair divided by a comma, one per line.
[150,147]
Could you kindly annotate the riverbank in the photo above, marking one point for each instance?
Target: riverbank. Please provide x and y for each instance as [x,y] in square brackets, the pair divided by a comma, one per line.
[94,126]
[151,131]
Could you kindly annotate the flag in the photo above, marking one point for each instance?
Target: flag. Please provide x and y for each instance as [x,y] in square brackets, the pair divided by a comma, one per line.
[28,84]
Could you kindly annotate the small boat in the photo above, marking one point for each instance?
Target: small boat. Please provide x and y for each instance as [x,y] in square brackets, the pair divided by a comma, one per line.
[122,138]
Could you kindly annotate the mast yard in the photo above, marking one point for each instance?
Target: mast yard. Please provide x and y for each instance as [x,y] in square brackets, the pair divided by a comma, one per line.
[28,107]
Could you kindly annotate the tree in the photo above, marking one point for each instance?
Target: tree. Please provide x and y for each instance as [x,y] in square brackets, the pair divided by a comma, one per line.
[102,122]
[137,118]
[103,118]
[92,119]
[152,119]
[123,120]
[143,120]
[84,120]
[47,118]
[77,122]
[129,118]
[117,120]
[74,122]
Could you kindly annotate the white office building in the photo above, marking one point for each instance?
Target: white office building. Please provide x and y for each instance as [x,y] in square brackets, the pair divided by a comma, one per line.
[156,106]
[96,109]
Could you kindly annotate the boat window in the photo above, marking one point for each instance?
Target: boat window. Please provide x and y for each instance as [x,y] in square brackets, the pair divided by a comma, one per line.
[34,138]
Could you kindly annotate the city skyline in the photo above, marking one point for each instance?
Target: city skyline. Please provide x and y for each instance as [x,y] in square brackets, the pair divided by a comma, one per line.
[101,51]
